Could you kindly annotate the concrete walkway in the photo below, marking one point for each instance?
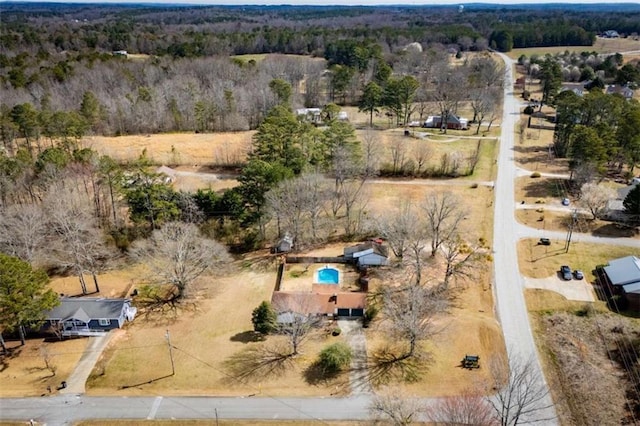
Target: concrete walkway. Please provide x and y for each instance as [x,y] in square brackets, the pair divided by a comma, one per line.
[78,379]
[359,376]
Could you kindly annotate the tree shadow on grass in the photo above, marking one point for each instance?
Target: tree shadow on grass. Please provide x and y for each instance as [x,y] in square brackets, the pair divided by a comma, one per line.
[258,362]
[615,230]
[385,366]
[10,354]
[316,374]
[248,336]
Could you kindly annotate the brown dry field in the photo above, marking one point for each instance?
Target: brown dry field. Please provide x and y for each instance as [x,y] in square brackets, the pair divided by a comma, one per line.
[537,261]
[532,151]
[602,45]
[193,149]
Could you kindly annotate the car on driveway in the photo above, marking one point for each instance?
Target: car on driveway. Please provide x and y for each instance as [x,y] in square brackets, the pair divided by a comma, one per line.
[544,242]
[565,201]
[578,275]
[565,271]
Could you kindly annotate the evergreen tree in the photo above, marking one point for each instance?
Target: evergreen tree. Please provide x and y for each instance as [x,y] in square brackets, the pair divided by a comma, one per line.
[550,79]
[631,202]
[24,297]
[264,318]
[371,100]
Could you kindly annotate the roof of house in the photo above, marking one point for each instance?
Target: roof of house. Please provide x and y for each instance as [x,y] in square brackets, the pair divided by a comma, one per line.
[367,248]
[632,288]
[622,90]
[85,309]
[317,303]
[625,270]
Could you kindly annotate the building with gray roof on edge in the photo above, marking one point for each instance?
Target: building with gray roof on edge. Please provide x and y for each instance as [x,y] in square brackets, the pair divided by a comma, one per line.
[622,277]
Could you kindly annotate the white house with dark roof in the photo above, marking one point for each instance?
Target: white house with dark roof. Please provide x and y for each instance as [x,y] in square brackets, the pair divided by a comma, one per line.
[89,316]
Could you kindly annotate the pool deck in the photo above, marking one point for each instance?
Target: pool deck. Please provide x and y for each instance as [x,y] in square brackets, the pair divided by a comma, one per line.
[300,277]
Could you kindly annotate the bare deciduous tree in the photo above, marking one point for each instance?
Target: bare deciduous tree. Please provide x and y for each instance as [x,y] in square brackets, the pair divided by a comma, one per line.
[421,154]
[443,214]
[298,204]
[467,409]
[398,148]
[297,318]
[522,394]
[76,240]
[178,254]
[23,231]
[451,89]
[391,405]
[47,357]
[459,257]
[410,311]
[371,153]
[596,198]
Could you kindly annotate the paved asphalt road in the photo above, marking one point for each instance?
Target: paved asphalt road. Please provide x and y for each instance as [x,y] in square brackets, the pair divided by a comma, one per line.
[511,311]
[509,284]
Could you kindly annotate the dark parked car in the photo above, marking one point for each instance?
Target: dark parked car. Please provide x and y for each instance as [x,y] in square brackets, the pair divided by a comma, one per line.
[565,271]
[578,275]
[544,241]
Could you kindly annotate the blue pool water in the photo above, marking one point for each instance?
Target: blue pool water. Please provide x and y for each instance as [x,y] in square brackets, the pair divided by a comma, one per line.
[328,276]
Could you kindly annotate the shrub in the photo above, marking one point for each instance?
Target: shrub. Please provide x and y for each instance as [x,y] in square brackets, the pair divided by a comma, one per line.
[535,175]
[526,94]
[528,110]
[369,315]
[335,357]
[264,318]
[474,185]
[336,331]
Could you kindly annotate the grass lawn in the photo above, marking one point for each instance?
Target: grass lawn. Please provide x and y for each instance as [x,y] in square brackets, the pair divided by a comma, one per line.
[24,373]
[537,261]
[559,221]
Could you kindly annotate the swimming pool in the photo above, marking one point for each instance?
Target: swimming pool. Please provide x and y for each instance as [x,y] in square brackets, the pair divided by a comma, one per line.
[327,275]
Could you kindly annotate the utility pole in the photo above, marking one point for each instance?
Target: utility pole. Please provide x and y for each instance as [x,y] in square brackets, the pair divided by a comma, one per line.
[574,217]
[173,367]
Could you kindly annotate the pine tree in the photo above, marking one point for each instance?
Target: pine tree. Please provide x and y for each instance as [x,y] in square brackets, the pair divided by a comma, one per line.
[24,297]
[264,318]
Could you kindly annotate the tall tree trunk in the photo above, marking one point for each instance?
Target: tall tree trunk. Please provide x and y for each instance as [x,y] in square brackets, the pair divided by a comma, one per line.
[83,284]
[21,333]
[95,281]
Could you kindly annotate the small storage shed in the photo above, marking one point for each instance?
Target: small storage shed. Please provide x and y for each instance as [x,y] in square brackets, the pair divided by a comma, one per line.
[371,253]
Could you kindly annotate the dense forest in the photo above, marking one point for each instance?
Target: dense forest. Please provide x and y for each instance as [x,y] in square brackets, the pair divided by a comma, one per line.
[59,76]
